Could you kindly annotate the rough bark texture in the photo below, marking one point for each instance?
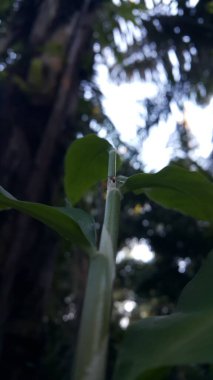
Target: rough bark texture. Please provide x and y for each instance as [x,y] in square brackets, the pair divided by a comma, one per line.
[33,139]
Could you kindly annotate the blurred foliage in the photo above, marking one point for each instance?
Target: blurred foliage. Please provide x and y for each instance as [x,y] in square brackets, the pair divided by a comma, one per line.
[168,43]
[162,341]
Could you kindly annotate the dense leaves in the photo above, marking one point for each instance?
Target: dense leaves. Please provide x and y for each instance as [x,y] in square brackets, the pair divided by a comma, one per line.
[184,337]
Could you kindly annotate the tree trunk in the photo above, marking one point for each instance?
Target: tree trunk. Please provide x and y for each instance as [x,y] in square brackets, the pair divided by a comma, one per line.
[33,118]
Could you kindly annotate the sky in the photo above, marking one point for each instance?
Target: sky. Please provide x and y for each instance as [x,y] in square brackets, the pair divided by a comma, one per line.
[122,104]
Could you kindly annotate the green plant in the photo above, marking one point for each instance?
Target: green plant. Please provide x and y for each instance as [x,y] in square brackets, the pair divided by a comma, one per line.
[184,337]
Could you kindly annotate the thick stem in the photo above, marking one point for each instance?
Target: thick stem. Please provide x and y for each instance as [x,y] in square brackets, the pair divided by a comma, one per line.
[92,340]
[94,330]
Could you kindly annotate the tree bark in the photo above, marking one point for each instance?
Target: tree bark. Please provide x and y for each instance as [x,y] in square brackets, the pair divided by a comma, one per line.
[33,131]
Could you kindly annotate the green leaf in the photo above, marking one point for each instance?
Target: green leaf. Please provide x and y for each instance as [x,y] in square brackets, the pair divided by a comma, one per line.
[184,337]
[84,220]
[71,223]
[174,187]
[86,163]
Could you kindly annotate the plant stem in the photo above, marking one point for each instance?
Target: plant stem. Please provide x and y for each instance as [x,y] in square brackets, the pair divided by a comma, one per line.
[112,163]
[92,345]
[112,207]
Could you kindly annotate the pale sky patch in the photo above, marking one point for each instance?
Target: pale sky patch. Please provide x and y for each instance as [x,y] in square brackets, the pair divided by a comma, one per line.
[122,104]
